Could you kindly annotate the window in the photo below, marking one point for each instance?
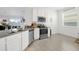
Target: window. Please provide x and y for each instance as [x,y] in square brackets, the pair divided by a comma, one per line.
[70,17]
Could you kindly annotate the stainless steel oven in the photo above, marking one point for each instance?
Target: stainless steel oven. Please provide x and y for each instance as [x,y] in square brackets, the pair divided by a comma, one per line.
[43,33]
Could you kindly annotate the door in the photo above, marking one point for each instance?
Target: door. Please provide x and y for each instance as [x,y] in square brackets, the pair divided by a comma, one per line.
[14,42]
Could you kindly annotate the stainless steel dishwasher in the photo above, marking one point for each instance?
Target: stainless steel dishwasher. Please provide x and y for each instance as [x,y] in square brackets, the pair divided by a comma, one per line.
[31,36]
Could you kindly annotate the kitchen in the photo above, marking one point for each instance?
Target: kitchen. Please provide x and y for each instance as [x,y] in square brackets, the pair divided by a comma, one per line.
[18,29]
[25,28]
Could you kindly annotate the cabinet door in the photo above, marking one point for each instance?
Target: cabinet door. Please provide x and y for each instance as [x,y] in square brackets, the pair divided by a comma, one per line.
[14,42]
[36,33]
[41,12]
[35,16]
[25,39]
[2,44]
[48,32]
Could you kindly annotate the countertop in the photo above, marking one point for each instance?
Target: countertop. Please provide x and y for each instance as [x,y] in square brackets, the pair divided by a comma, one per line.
[9,34]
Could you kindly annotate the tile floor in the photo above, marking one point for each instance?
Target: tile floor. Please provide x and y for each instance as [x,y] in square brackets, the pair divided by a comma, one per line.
[56,42]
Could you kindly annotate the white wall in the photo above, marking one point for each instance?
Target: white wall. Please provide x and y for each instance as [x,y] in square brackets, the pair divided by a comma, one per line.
[50,14]
[70,31]
[28,15]
[26,12]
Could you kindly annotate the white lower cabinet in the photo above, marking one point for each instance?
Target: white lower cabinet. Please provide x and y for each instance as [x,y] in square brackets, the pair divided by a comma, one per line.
[2,44]
[36,33]
[14,42]
[25,39]
[49,32]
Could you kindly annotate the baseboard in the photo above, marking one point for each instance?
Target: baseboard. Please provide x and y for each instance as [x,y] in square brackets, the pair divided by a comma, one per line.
[64,35]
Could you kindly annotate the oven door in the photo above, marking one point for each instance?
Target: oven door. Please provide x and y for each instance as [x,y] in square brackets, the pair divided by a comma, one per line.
[43,31]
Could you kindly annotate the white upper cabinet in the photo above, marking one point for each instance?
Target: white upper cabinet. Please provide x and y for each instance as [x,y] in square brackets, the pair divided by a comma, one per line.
[2,44]
[39,12]
[42,12]
[14,42]
[28,15]
[35,14]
